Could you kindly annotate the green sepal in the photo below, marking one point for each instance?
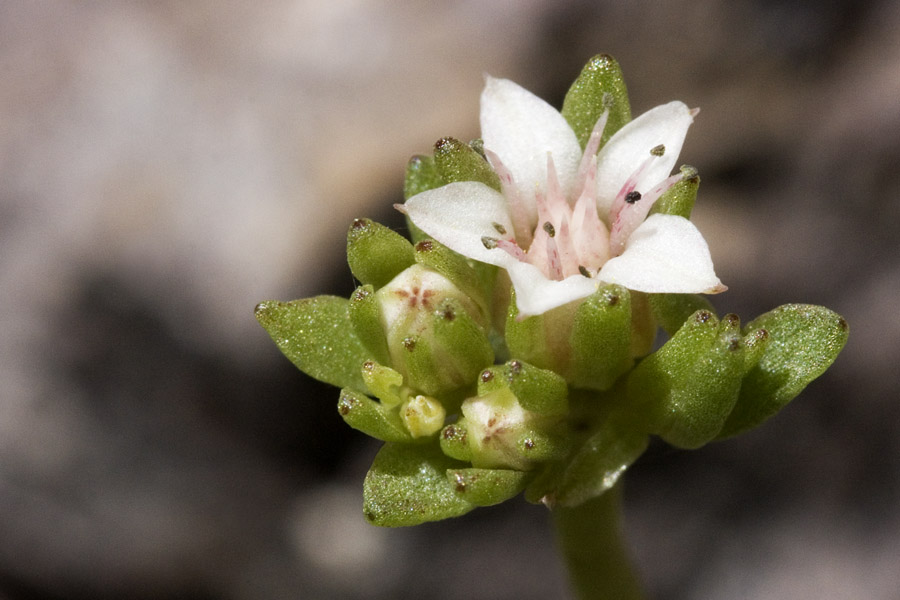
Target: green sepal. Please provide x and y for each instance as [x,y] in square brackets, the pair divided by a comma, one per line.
[803,341]
[486,487]
[316,335]
[537,390]
[600,86]
[376,253]
[407,485]
[455,442]
[537,445]
[595,466]
[679,199]
[672,310]
[372,418]
[365,315]
[685,391]
[421,175]
[457,161]
[465,343]
[540,340]
[643,324]
[601,338]
[383,382]
[457,269]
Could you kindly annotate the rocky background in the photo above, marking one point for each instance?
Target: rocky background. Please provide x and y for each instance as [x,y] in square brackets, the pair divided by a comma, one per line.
[166,165]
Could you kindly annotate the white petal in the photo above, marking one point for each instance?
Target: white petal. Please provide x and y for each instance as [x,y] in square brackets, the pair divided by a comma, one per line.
[666,254]
[630,147]
[535,294]
[521,129]
[459,214]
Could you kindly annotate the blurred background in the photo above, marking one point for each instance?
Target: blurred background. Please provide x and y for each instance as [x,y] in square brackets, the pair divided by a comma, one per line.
[166,165]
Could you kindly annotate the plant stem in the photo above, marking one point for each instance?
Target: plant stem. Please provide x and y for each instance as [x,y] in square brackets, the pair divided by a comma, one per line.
[590,538]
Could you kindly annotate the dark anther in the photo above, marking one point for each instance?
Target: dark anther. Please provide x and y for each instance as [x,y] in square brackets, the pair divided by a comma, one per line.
[632,197]
[500,228]
[489,242]
[583,270]
[658,150]
[548,227]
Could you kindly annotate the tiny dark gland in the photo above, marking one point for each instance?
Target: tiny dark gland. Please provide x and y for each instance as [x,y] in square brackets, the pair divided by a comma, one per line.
[361,294]
[529,444]
[449,432]
[733,319]
[762,334]
[370,516]
[735,344]
[487,376]
[444,141]
[632,197]
[460,486]
[843,324]
[449,315]
[344,409]
[613,300]
[369,365]
[360,223]
[703,316]
[409,344]
[425,246]
[515,366]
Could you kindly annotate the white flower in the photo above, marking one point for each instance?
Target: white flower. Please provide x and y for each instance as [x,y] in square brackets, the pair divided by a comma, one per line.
[567,220]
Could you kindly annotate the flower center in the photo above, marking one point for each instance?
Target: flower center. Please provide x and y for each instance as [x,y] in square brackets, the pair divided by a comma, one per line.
[571,238]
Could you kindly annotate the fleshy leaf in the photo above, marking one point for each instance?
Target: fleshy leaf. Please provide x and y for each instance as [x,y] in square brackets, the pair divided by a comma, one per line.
[455,442]
[685,391]
[486,487]
[601,338]
[538,390]
[596,466]
[317,336]
[803,341]
[372,418]
[600,86]
[407,485]
[376,254]
[457,161]
[422,174]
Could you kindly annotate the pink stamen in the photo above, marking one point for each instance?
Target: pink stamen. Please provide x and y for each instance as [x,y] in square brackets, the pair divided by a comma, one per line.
[633,214]
[511,248]
[590,151]
[510,191]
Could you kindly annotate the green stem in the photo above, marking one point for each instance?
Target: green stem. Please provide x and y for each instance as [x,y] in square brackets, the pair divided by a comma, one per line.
[590,537]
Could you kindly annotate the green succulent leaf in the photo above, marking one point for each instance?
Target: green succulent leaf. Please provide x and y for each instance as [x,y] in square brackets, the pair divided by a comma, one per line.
[371,417]
[407,485]
[679,199]
[537,390]
[685,391]
[457,161]
[803,341]
[486,487]
[376,254]
[672,310]
[316,335]
[597,464]
[601,338]
[600,86]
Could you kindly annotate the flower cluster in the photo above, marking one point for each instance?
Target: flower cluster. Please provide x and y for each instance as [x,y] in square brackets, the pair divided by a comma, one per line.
[509,346]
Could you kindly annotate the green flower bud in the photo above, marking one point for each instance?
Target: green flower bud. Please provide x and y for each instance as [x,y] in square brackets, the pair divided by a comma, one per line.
[435,332]
[457,161]
[503,434]
[422,415]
